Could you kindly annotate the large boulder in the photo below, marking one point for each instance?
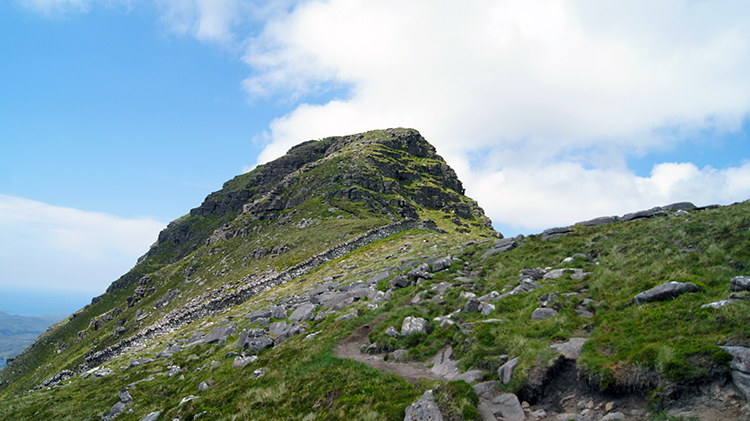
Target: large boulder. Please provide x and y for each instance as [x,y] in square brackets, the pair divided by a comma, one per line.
[508,407]
[740,283]
[740,368]
[424,409]
[470,376]
[602,220]
[664,292]
[685,206]
[551,233]
[220,333]
[543,313]
[442,264]
[258,314]
[644,214]
[304,312]
[412,325]
[282,331]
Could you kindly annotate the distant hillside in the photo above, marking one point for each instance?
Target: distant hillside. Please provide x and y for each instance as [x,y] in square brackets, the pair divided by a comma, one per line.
[18,332]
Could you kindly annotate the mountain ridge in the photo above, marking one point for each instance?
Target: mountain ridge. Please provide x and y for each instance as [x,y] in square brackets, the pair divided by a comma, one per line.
[240,309]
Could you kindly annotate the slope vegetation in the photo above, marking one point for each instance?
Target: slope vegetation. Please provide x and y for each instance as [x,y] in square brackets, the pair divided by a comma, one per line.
[351,276]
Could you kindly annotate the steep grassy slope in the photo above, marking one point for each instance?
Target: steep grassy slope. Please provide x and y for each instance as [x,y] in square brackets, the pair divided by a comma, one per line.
[657,351]
[318,195]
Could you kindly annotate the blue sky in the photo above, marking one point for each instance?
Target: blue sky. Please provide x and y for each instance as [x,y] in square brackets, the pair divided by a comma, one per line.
[118,116]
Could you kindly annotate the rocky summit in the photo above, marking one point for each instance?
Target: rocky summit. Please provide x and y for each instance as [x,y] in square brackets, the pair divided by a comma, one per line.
[353,279]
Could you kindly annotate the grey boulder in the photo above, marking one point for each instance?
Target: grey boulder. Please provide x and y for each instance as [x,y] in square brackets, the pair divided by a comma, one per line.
[740,368]
[505,372]
[412,325]
[740,283]
[543,313]
[254,340]
[664,292]
[424,409]
[508,407]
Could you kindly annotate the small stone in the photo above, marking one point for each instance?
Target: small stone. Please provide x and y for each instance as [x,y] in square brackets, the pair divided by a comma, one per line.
[609,406]
[202,386]
[538,414]
[124,396]
[392,332]
[614,416]
[152,416]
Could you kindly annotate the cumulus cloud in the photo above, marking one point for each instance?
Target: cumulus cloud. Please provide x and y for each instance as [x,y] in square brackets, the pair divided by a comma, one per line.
[52,247]
[532,102]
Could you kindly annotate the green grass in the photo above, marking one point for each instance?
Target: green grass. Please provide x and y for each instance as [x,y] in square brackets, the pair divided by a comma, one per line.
[630,347]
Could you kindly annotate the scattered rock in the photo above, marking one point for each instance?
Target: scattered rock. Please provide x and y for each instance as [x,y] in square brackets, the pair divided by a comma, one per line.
[412,325]
[740,283]
[486,308]
[602,220]
[555,232]
[644,214]
[663,292]
[278,312]
[740,368]
[152,416]
[505,372]
[720,304]
[534,273]
[258,314]
[399,354]
[241,361]
[282,331]
[303,313]
[543,313]
[124,396]
[443,366]
[424,409]
[470,376]
[614,416]
[508,407]
[683,206]
[472,306]
[173,371]
[571,349]
[487,390]
[392,332]
[220,333]
[501,246]
[400,282]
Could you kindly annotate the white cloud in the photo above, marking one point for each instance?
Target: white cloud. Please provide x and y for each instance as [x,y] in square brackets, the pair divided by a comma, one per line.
[565,193]
[553,95]
[215,20]
[58,7]
[46,246]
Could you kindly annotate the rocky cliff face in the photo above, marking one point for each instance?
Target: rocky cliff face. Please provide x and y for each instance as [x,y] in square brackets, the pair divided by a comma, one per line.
[393,171]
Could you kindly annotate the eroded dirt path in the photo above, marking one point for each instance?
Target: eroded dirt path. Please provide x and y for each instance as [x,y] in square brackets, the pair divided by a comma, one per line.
[350,347]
